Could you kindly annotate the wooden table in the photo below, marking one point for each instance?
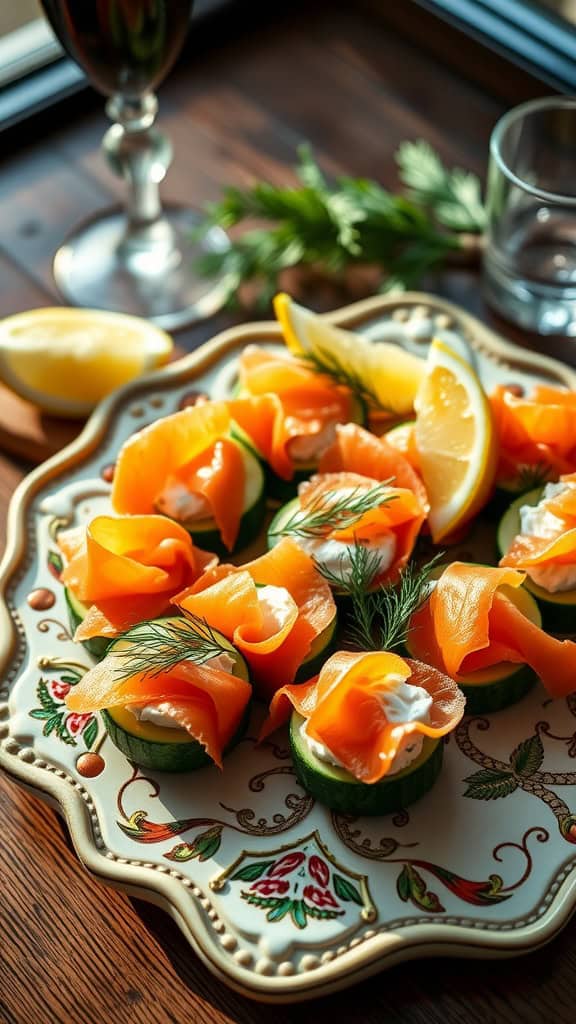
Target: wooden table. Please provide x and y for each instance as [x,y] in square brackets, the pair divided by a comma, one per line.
[354,84]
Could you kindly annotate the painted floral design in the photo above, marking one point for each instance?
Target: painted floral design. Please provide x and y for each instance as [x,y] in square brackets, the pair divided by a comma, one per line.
[65,725]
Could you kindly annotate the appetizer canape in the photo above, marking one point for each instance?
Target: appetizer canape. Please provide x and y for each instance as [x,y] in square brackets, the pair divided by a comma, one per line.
[174,694]
[536,436]
[277,610]
[537,534]
[366,734]
[191,467]
[483,629]
[120,570]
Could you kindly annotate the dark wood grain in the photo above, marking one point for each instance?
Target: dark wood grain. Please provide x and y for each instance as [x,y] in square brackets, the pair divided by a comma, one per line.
[354,80]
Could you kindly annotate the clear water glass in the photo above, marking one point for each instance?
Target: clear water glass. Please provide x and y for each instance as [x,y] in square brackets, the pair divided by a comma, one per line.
[530,256]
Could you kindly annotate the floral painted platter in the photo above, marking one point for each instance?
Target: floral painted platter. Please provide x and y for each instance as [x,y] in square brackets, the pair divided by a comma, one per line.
[282,898]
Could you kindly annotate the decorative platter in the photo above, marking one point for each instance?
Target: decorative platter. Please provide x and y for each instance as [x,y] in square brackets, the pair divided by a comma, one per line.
[281,898]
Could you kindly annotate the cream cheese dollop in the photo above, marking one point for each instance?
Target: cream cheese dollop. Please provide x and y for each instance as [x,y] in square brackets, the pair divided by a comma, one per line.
[177,502]
[402,702]
[158,714]
[538,521]
[276,605]
[309,447]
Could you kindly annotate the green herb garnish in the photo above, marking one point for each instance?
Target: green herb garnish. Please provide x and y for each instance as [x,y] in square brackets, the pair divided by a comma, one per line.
[333,226]
[156,647]
[323,361]
[334,511]
[380,619]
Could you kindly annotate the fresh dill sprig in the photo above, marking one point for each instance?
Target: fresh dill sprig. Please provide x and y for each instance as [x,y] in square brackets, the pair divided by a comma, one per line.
[532,476]
[379,620]
[155,647]
[334,511]
[323,361]
[331,226]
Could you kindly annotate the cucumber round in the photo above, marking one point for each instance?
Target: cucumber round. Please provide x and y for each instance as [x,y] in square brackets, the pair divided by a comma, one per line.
[205,532]
[322,647]
[77,611]
[157,747]
[497,687]
[558,609]
[337,789]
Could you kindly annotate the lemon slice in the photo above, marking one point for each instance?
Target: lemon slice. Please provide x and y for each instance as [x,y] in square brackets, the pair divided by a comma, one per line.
[454,436]
[384,374]
[66,360]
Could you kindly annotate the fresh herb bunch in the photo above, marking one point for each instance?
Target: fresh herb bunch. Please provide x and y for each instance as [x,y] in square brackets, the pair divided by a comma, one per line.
[354,220]
[379,620]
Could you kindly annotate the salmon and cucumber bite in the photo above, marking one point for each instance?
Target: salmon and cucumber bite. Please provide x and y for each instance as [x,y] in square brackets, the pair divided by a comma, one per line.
[366,734]
[277,610]
[192,467]
[174,694]
[537,535]
[303,409]
[536,436]
[121,570]
[482,628]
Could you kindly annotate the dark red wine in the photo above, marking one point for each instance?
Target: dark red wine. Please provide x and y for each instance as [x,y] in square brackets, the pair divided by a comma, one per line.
[125,46]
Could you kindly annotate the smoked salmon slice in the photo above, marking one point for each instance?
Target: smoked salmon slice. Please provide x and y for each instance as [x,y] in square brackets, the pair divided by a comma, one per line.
[189,448]
[126,569]
[537,431]
[274,646]
[298,404]
[344,711]
[207,702]
[355,450]
[469,624]
[400,514]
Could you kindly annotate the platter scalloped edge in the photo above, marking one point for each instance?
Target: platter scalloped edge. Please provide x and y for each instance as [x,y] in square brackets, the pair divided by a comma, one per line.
[305,903]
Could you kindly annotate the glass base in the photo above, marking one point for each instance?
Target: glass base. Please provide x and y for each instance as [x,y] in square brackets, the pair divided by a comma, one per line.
[149,273]
[533,305]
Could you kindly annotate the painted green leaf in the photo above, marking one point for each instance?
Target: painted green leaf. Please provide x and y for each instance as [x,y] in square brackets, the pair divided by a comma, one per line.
[52,723]
[72,680]
[42,713]
[528,756]
[298,913]
[346,891]
[488,784]
[250,872]
[55,563]
[420,895]
[403,885]
[280,910]
[44,696]
[90,733]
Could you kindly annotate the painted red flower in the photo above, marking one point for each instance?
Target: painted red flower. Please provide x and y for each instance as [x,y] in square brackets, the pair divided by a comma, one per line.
[59,689]
[271,886]
[319,897]
[76,723]
[319,870]
[286,865]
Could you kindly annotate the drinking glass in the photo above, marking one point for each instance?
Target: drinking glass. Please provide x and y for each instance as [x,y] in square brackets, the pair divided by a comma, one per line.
[530,257]
[139,259]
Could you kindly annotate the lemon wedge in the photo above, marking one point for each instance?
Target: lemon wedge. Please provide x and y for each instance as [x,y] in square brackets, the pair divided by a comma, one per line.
[454,436]
[381,372]
[65,360]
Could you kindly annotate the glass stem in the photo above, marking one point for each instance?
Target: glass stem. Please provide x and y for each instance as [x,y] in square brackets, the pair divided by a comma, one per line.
[141,155]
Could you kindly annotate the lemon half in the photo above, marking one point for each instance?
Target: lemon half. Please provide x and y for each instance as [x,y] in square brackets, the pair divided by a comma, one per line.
[383,370]
[65,360]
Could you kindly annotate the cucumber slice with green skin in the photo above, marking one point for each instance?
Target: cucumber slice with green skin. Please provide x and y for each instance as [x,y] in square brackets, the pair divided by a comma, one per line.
[497,687]
[77,611]
[322,647]
[205,533]
[158,747]
[558,609]
[337,789]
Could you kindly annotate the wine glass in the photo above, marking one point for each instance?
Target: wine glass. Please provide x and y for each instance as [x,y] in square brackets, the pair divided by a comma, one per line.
[139,259]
